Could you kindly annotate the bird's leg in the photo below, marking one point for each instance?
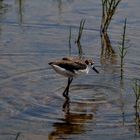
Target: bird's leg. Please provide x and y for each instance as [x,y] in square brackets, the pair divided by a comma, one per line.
[65,94]
[66,91]
[69,82]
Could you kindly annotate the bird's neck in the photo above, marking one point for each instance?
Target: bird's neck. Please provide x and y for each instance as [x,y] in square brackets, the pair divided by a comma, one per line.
[87,69]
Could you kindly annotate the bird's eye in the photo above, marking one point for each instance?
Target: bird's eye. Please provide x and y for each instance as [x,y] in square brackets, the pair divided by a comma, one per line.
[87,62]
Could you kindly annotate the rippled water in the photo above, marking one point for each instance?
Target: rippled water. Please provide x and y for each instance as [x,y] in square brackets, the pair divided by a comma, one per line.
[35,32]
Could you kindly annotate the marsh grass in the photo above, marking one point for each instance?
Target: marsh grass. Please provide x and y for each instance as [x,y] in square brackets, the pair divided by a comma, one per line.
[70,41]
[136,90]
[21,9]
[108,10]
[107,49]
[17,136]
[1,4]
[123,48]
[78,40]
[108,54]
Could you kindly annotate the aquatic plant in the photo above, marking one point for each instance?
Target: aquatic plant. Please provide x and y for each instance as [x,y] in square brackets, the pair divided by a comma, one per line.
[1,4]
[78,40]
[107,49]
[17,135]
[21,9]
[136,90]
[70,41]
[122,48]
[108,10]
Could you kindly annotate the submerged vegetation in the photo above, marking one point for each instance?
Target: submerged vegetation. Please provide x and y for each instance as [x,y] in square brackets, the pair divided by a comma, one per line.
[17,136]
[136,90]
[108,10]
[78,40]
[1,4]
[122,48]
[70,41]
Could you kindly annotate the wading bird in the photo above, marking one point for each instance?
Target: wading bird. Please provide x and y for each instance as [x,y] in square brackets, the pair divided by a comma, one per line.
[72,67]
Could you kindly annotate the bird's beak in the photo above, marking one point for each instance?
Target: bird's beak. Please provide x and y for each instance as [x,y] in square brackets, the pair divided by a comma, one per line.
[95,69]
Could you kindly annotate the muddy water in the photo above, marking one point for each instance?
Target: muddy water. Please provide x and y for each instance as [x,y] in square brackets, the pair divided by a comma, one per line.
[35,32]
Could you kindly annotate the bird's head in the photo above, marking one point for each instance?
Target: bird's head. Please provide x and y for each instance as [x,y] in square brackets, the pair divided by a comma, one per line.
[90,62]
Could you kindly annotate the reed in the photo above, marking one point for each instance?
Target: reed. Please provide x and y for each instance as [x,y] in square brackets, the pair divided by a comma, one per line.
[136,90]
[80,51]
[70,41]
[108,10]
[1,4]
[17,136]
[122,48]
[78,40]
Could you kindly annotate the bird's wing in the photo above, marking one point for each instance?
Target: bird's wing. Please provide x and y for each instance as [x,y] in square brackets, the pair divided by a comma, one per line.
[71,66]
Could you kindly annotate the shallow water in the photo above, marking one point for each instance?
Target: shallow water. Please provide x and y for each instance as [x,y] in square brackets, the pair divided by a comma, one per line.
[35,32]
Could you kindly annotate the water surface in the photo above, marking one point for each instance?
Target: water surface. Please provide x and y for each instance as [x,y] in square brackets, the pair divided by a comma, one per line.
[35,32]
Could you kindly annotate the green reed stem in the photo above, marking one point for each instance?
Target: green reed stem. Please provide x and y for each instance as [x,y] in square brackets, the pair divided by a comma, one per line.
[136,90]
[78,40]
[17,136]
[108,10]
[1,4]
[70,41]
[122,48]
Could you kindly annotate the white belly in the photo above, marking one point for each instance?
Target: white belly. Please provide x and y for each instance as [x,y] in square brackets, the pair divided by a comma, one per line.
[63,71]
[67,73]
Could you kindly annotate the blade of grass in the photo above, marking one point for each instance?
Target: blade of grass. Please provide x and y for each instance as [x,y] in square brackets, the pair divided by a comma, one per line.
[78,40]
[70,41]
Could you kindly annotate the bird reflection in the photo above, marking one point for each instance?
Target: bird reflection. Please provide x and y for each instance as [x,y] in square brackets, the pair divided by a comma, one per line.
[74,121]
[66,105]
[71,124]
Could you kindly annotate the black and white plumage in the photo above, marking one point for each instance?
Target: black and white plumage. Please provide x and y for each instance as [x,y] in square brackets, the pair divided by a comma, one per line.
[72,67]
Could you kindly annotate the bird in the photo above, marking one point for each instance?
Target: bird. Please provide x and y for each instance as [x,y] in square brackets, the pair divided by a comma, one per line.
[72,67]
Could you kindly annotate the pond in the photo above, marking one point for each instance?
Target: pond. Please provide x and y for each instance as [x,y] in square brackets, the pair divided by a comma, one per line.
[35,32]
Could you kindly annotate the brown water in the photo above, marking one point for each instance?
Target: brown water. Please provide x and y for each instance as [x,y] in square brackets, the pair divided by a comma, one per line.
[35,32]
